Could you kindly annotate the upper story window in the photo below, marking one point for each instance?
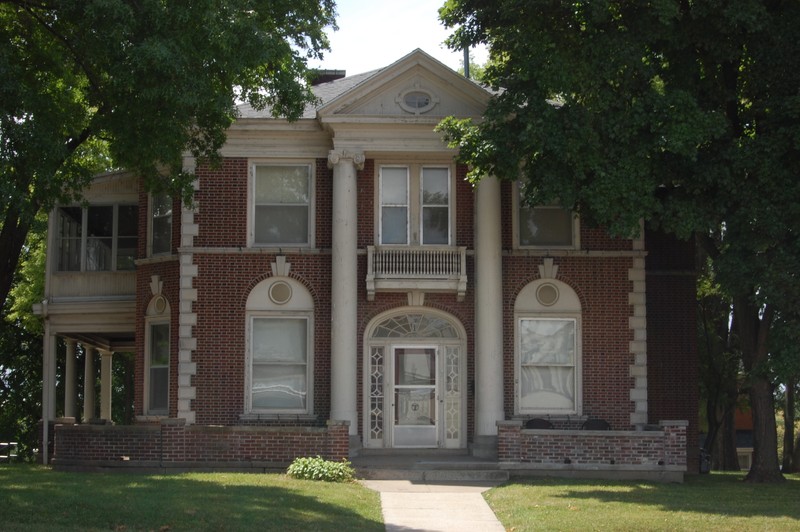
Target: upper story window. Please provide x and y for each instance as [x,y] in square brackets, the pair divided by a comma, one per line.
[96,238]
[281,206]
[544,226]
[160,225]
[415,205]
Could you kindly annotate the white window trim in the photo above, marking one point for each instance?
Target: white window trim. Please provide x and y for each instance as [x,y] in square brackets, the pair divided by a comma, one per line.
[149,323]
[149,249]
[251,204]
[515,209]
[414,219]
[309,317]
[578,376]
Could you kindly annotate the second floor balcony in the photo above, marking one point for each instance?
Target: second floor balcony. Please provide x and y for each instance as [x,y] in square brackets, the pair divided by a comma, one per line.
[417,268]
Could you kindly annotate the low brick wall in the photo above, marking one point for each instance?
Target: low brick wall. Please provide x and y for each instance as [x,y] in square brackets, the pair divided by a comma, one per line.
[657,450]
[172,443]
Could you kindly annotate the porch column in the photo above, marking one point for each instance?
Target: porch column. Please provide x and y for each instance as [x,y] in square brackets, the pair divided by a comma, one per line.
[88,383]
[105,384]
[488,314]
[344,286]
[48,389]
[70,382]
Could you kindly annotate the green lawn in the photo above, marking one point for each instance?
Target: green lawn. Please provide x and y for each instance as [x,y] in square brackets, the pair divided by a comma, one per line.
[37,498]
[705,502]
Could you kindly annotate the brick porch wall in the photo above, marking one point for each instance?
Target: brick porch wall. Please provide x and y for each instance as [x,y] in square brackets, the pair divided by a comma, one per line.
[664,448]
[172,442]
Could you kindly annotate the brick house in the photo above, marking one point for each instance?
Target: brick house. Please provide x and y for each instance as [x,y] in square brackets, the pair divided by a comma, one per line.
[337,286]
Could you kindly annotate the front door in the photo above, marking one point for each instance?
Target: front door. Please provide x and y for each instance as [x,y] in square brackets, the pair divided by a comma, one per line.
[415,397]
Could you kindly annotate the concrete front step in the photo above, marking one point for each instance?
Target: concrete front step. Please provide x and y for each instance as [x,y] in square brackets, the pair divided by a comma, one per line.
[433,475]
[418,465]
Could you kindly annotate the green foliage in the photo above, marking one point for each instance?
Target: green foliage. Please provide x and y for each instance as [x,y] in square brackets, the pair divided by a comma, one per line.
[684,114]
[318,468]
[101,84]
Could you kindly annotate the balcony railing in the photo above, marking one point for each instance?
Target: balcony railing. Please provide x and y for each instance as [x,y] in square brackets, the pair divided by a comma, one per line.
[426,269]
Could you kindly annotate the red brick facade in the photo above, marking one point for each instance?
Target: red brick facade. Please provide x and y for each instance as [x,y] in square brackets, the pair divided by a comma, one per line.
[214,268]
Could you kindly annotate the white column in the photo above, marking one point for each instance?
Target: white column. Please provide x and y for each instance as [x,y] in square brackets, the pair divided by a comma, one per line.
[488,309]
[48,389]
[344,287]
[105,384]
[88,384]
[70,382]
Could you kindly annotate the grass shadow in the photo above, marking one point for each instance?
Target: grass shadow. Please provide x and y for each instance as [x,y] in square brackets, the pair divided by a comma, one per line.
[38,498]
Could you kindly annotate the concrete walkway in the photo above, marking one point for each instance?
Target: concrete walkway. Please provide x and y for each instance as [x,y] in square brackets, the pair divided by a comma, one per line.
[435,507]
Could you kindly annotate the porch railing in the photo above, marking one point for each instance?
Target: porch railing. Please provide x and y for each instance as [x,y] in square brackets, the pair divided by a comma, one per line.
[423,268]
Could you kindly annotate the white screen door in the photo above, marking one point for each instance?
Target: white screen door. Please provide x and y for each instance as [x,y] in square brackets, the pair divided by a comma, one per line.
[415,398]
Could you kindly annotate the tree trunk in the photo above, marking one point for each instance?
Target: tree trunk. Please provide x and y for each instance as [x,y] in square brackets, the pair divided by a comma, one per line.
[754,323]
[729,458]
[789,465]
[765,436]
[12,237]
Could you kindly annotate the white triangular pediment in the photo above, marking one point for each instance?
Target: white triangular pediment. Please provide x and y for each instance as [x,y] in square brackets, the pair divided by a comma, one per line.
[414,87]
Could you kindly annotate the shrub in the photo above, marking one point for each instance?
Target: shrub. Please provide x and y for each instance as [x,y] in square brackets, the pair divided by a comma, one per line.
[320,469]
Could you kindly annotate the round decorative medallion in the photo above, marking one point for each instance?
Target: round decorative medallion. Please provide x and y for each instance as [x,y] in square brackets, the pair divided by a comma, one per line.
[160,304]
[280,292]
[547,294]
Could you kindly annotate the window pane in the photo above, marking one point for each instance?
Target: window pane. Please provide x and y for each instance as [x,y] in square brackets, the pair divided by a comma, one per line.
[127,220]
[159,345]
[435,190]
[161,224]
[69,238]
[279,386]
[394,225]
[159,368]
[159,390]
[547,341]
[100,233]
[394,186]
[545,226]
[282,204]
[435,225]
[279,340]
[126,253]
[98,254]
[544,387]
[282,184]
[415,367]
[100,222]
[281,224]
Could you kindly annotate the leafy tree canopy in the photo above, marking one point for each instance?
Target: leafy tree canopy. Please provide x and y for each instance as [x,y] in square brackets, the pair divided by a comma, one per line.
[682,113]
[92,84]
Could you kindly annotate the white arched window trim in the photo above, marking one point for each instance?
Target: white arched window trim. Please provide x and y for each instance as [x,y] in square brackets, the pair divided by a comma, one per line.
[548,349]
[280,345]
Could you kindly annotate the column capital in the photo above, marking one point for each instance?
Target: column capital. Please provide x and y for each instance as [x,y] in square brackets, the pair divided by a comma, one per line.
[336,156]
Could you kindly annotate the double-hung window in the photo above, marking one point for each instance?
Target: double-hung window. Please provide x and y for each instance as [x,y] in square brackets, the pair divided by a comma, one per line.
[157,358]
[282,196]
[544,226]
[160,224]
[280,364]
[96,238]
[547,364]
[415,205]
